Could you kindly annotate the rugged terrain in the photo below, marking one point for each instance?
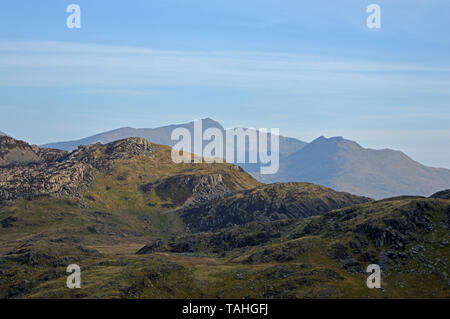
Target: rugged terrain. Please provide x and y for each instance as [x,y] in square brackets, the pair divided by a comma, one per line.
[407,237]
[334,162]
[13,152]
[442,194]
[266,203]
[141,226]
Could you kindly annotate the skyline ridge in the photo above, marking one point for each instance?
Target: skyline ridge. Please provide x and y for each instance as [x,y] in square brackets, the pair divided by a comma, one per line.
[51,144]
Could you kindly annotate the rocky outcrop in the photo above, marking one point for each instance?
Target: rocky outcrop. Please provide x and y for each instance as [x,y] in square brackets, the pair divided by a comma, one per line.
[266,203]
[253,234]
[15,152]
[189,190]
[385,232]
[33,172]
[402,235]
[30,181]
[442,194]
[102,157]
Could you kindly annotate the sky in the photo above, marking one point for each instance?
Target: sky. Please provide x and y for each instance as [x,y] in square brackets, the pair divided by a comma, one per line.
[309,68]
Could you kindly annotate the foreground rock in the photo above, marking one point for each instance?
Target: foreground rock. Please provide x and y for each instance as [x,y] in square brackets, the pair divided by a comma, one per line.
[31,172]
[15,152]
[266,203]
[403,235]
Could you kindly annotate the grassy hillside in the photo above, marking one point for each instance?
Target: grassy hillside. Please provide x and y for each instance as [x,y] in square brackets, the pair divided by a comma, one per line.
[327,256]
[317,257]
[141,226]
[154,183]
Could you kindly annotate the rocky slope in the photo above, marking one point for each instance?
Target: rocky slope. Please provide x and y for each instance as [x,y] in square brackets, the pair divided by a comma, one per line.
[315,257]
[266,203]
[34,180]
[406,236]
[32,171]
[442,194]
[14,152]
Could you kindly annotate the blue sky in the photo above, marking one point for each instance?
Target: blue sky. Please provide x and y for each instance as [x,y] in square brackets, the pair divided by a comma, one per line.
[309,68]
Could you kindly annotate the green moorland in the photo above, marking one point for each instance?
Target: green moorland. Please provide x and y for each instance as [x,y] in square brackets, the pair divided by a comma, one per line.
[316,257]
[128,233]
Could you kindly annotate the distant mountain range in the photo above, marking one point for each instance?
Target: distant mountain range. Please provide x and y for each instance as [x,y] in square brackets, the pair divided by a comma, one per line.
[2,134]
[333,162]
[346,166]
[162,135]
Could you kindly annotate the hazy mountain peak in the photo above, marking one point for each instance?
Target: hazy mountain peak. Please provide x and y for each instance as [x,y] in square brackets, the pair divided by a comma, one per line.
[334,144]
[162,135]
[347,166]
[209,122]
[331,140]
[2,134]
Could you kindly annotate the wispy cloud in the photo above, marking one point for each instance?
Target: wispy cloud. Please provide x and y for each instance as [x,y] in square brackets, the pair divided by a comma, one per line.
[37,63]
[115,91]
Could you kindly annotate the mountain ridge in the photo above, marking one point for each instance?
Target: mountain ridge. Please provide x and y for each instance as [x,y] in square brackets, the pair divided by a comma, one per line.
[346,166]
[334,162]
[162,135]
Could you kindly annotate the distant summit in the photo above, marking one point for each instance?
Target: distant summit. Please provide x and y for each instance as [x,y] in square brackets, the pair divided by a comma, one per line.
[159,135]
[162,135]
[346,166]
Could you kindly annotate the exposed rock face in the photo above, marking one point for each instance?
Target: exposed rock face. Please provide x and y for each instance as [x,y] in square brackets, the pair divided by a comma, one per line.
[189,190]
[443,194]
[102,156]
[66,178]
[39,172]
[385,229]
[14,152]
[209,187]
[402,235]
[266,203]
[253,234]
